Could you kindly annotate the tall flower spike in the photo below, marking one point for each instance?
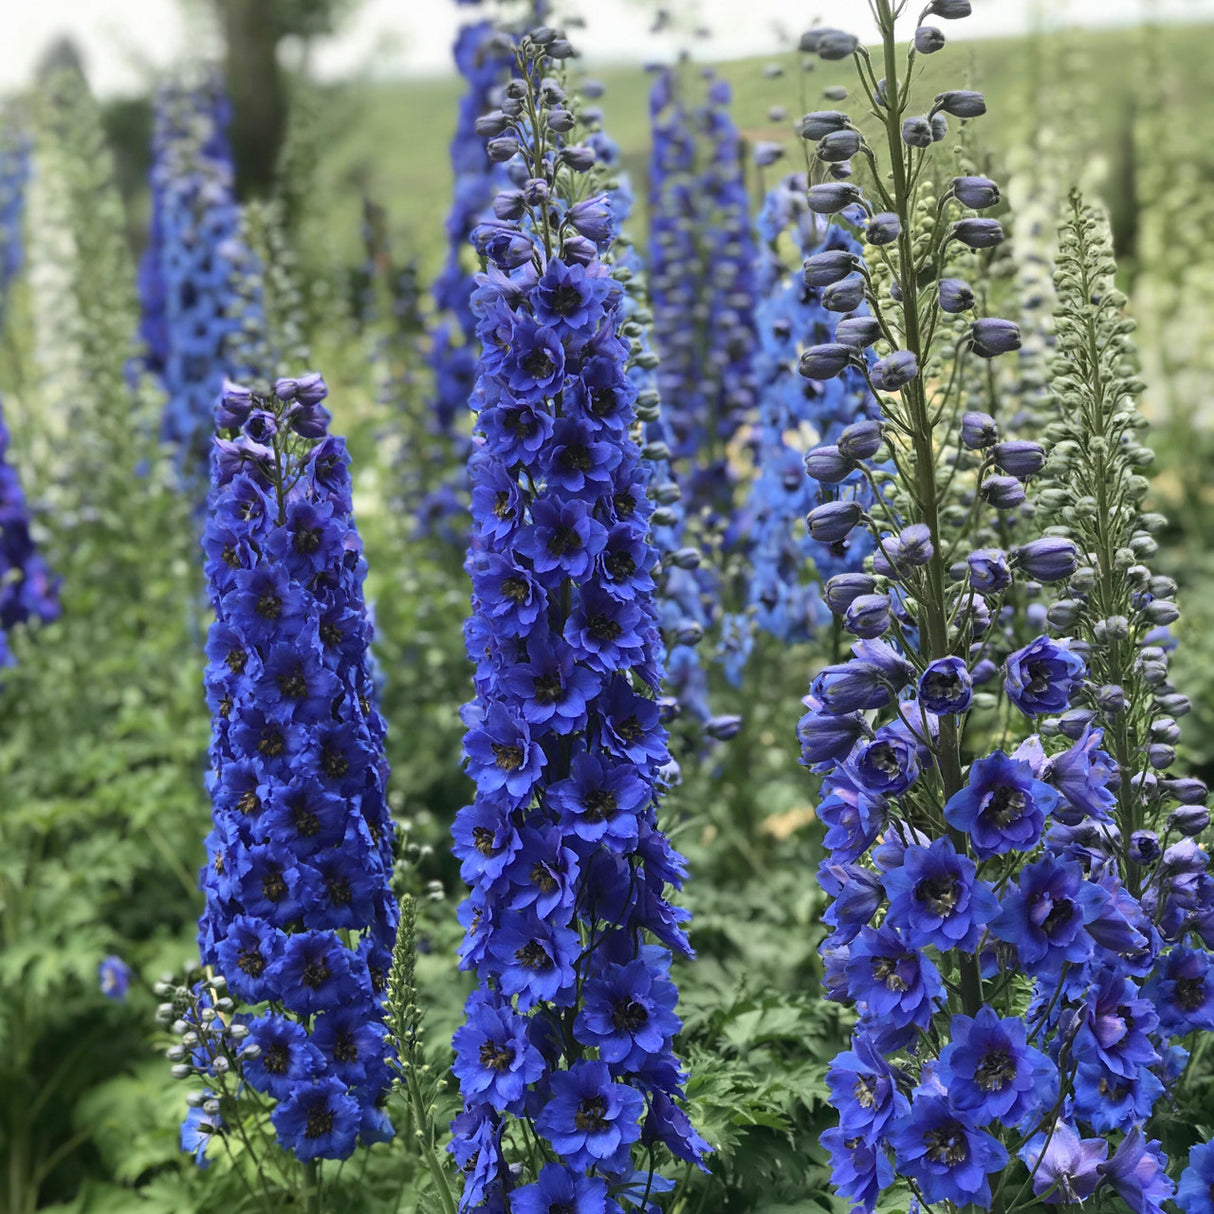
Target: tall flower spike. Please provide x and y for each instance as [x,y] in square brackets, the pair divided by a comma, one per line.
[185,277]
[301,850]
[14,176]
[1042,878]
[571,1025]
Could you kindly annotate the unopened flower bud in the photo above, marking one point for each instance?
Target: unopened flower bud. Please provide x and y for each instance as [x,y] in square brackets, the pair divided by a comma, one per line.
[831,197]
[844,588]
[861,440]
[1110,699]
[1019,457]
[831,266]
[723,727]
[989,571]
[825,361]
[917,132]
[976,192]
[685,558]
[961,103]
[858,331]
[955,295]
[828,465]
[1191,819]
[929,39]
[833,521]
[844,296]
[822,123]
[1003,492]
[838,146]
[884,228]
[894,371]
[950,10]
[991,336]
[867,616]
[977,233]
[1048,559]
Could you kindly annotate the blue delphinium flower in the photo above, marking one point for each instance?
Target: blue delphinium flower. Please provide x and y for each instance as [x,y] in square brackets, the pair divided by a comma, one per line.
[28,592]
[1195,1193]
[187,271]
[114,978]
[299,914]
[564,742]
[14,174]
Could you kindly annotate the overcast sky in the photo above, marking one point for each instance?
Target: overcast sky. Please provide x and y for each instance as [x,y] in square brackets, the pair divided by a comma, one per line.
[125,39]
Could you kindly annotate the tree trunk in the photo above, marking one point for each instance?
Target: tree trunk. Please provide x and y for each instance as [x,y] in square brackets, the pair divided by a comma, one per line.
[255,85]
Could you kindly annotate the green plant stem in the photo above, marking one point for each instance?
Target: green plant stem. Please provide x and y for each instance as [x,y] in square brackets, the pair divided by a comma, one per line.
[934,612]
[422,1123]
[311,1187]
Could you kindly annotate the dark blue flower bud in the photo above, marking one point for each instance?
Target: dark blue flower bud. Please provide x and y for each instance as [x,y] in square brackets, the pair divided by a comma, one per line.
[821,123]
[1161,612]
[822,269]
[1003,492]
[1019,457]
[955,295]
[884,228]
[841,171]
[492,124]
[894,371]
[828,736]
[950,10]
[858,331]
[961,103]
[833,521]
[1174,704]
[867,615]
[984,671]
[234,406]
[311,389]
[945,687]
[917,132]
[1165,729]
[929,39]
[978,430]
[861,440]
[844,296]
[1075,722]
[560,121]
[767,153]
[978,233]
[976,192]
[825,361]
[989,571]
[510,204]
[838,146]
[829,43]
[1110,699]
[1188,790]
[939,127]
[502,148]
[1160,756]
[685,558]
[844,588]
[828,465]
[992,336]
[1190,820]
[689,632]
[1049,559]
[831,197]
[1144,847]
[579,158]
[723,727]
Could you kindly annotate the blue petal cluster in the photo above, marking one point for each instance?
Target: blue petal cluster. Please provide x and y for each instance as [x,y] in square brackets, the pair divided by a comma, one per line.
[186,273]
[27,589]
[568,927]
[299,914]
[14,174]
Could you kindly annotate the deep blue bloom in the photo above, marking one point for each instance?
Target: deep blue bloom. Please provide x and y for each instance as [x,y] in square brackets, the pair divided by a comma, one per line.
[494,1059]
[286,1056]
[892,980]
[1002,808]
[560,1188]
[197,1131]
[944,1152]
[1042,676]
[1064,1166]
[935,898]
[884,766]
[318,1120]
[628,1013]
[590,1119]
[990,1071]
[1137,1172]
[1195,1193]
[864,1090]
[1084,776]
[946,687]
[859,1170]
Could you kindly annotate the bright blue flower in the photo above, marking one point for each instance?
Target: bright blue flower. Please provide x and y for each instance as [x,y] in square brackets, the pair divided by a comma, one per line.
[944,1152]
[892,980]
[859,1169]
[590,1119]
[628,1013]
[114,978]
[1043,676]
[1084,775]
[1116,1025]
[1002,808]
[886,765]
[1181,988]
[1064,1166]
[1195,1193]
[285,1058]
[1108,1101]
[318,1120]
[1137,1172]
[494,1060]
[562,1189]
[935,898]
[864,1090]
[990,1071]
[198,1130]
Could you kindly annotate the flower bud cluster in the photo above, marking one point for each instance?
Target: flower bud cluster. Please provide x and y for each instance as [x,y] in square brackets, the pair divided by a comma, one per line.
[570,1028]
[27,589]
[299,914]
[186,273]
[1023,937]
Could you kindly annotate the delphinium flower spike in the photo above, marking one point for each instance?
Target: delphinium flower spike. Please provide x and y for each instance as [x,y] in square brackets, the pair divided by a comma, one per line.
[299,918]
[567,1040]
[185,277]
[1000,919]
[14,176]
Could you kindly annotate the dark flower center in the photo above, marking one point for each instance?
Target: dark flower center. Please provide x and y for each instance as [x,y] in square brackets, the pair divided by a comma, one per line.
[591,1115]
[562,540]
[339,891]
[269,606]
[565,299]
[236,660]
[625,504]
[885,969]
[230,558]
[604,628]
[1114,1093]
[501,504]
[294,686]
[884,758]
[539,365]
[603,402]
[940,894]
[333,763]
[225,707]
[273,886]
[249,802]
[271,743]
[946,1145]
[307,540]
[345,1048]
[320,1121]
[599,803]
[627,1015]
[521,424]
[275,1058]
[508,758]
[316,973]
[938,684]
[1005,805]
[576,456]
[549,689]
[620,566]
[996,1070]
[542,879]
[251,962]
[496,1057]
[482,840]
[629,730]
[1190,993]
[533,956]
[516,589]
[307,824]
[1061,913]
[1039,678]
[330,634]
